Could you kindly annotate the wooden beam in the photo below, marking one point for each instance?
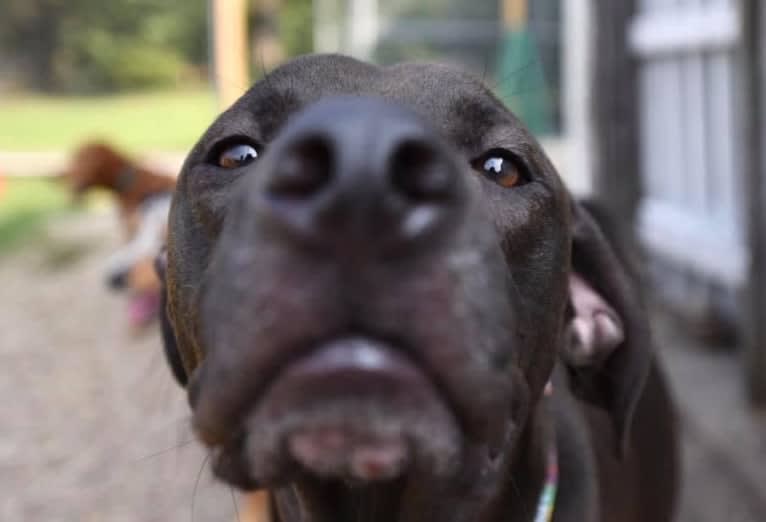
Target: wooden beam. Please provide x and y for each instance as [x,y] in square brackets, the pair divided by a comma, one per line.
[690,240]
[683,29]
[614,108]
[230,57]
[754,114]
[256,507]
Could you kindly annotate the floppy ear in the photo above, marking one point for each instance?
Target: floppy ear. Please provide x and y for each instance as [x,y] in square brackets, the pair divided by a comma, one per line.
[608,351]
[594,328]
[170,346]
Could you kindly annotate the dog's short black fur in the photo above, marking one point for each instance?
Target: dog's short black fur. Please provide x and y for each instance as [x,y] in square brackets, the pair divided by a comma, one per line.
[369,275]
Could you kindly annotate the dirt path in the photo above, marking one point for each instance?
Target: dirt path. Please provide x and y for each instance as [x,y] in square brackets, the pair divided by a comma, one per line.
[94,428]
[87,408]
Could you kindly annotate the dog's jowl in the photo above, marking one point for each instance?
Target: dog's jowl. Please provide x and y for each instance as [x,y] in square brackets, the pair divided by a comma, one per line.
[386,306]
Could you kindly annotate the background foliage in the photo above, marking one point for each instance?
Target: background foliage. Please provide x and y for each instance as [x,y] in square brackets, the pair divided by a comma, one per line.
[84,46]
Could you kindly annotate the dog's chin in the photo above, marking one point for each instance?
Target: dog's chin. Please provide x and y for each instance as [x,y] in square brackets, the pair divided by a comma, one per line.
[354,409]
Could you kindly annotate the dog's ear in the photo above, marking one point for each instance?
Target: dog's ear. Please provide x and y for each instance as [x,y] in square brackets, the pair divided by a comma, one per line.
[594,328]
[608,350]
[170,346]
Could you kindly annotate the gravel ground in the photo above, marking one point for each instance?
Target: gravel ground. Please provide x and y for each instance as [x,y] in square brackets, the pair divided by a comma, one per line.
[94,428]
[88,409]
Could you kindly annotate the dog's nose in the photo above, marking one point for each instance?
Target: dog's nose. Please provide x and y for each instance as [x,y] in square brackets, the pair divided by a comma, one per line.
[357,173]
[117,280]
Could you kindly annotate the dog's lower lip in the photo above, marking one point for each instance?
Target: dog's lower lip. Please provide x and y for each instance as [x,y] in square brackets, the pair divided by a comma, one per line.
[353,408]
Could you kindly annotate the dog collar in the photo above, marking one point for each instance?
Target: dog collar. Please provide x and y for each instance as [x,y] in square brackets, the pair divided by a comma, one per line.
[547,502]
[126,178]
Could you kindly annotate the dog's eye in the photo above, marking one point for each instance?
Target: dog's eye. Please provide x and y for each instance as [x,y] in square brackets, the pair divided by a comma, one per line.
[502,167]
[237,155]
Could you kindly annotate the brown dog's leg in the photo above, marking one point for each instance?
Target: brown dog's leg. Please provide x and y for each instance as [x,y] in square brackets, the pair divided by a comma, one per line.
[256,508]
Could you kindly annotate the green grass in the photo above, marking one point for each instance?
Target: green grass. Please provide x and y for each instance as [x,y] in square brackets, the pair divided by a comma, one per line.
[166,120]
[25,205]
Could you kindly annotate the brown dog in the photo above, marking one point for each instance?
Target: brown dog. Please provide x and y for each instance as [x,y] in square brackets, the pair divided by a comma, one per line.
[98,165]
[386,306]
[143,198]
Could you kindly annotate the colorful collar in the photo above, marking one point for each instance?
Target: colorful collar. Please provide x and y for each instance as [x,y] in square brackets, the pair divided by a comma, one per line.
[547,502]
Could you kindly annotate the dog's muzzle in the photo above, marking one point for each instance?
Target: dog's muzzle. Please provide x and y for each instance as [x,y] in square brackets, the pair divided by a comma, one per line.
[332,341]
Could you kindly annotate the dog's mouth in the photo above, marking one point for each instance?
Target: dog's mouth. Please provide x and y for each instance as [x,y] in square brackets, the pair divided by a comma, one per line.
[355,409]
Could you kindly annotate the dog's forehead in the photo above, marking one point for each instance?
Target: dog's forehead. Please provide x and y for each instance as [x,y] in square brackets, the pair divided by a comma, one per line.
[452,101]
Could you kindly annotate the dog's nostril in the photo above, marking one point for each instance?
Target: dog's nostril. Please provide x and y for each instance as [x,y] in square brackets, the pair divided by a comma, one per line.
[303,170]
[117,280]
[418,172]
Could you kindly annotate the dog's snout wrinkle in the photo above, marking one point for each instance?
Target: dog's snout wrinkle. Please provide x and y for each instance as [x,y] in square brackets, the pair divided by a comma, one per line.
[347,170]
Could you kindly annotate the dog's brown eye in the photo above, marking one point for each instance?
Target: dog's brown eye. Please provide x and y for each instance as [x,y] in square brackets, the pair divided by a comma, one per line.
[500,167]
[237,156]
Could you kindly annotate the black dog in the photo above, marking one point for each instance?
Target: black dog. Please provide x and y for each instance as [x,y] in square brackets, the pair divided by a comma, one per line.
[389,308]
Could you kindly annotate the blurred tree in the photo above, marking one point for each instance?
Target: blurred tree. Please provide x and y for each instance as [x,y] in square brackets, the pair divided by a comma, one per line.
[296,26]
[30,30]
[80,45]
[455,9]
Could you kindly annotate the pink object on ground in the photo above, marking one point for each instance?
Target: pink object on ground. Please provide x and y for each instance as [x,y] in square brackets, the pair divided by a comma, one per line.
[143,309]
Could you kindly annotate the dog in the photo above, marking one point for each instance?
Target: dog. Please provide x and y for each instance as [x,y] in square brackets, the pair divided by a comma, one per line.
[99,165]
[385,305]
[131,268]
[143,200]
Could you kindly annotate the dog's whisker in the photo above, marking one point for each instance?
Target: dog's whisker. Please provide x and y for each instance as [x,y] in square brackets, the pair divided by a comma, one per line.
[371,510]
[234,503]
[159,384]
[485,67]
[165,450]
[517,491]
[196,484]
[360,510]
[530,89]
[497,82]
[222,82]
[265,73]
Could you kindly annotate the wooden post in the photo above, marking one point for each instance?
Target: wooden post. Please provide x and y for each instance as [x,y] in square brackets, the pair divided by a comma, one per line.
[256,507]
[614,106]
[230,63]
[577,74]
[754,114]
[515,14]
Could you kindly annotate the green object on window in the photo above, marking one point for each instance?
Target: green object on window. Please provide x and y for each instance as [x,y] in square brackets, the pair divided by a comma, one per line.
[521,82]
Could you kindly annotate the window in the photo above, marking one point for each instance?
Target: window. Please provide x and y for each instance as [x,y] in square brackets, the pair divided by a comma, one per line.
[520,58]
